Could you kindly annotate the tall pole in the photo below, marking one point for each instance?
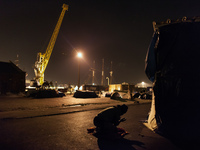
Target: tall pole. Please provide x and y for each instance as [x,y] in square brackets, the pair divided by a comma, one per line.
[17,61]
[78,74]
[111,72]
[93,72]
[102,72]
[108,80]
[79,55]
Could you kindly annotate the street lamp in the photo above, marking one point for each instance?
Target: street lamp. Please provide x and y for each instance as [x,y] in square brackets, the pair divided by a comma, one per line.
[79,55]
[143,84]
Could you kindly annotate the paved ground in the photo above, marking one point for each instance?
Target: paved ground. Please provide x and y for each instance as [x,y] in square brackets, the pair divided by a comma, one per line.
[69,131]
[20,107]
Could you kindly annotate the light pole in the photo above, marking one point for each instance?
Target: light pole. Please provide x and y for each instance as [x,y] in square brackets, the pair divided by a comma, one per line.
[108,80]
[79,55]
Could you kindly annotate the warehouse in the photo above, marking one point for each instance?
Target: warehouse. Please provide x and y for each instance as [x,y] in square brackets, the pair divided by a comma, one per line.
[12,78]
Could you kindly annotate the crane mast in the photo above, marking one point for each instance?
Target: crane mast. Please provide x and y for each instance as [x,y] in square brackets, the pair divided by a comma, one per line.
[43,58]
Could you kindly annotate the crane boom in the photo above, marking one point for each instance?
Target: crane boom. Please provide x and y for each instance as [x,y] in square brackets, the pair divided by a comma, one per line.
[43,58]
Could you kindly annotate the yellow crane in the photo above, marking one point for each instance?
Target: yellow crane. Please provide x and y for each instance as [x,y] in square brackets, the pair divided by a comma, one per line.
[43,58]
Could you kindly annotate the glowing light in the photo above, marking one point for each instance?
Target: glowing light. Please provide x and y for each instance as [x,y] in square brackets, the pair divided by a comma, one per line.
[143,84]
[76,88]
[119,87]
[79,55]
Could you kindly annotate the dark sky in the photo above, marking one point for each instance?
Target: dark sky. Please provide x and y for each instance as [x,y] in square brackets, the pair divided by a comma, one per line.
[116,30]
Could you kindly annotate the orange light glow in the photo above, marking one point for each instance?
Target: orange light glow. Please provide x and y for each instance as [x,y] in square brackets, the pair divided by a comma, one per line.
[79,55]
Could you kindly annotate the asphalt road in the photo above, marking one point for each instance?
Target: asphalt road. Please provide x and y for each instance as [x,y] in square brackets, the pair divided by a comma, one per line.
[69,132]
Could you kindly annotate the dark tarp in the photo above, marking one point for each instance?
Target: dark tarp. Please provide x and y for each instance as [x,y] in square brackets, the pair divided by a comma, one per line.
[177,80]
[46,93]
[115,96]
[85,94]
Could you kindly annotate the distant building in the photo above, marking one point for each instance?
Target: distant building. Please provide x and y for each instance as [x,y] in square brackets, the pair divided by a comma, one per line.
[143,86]
[95,87]
[121,87]
[12,78]
[114,87]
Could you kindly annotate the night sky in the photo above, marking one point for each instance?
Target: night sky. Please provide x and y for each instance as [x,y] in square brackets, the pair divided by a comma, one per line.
[114,30]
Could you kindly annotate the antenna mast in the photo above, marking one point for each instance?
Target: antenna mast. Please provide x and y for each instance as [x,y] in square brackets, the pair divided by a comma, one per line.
[93,72]
[111,72]
[102,72]
[17,61]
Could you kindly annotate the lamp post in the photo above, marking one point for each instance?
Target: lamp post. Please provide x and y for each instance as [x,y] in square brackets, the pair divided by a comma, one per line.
[79,55]
[108,80]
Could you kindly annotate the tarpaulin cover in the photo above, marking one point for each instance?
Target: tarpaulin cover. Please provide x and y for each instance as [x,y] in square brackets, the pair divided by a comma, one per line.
[85,94]
[177,79]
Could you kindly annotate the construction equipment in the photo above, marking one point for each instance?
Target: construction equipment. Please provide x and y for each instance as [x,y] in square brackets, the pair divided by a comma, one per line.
[43,58]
